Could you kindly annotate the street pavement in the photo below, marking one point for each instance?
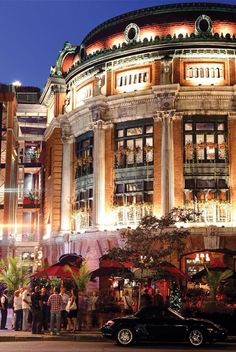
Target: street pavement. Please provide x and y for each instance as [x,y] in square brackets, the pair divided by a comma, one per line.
[75,346]
[82,336]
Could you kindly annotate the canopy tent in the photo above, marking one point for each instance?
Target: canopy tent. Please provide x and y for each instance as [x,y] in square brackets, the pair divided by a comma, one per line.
[109,271]
[71,259]
[58,270]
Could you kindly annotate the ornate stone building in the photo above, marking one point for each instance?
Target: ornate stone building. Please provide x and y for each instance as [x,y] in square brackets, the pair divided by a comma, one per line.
[141,119]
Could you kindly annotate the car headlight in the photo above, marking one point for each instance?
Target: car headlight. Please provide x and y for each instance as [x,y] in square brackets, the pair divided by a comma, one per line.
[109,323]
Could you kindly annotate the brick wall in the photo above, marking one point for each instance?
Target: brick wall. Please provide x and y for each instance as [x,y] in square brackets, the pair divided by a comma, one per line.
[178,162]
[53,181]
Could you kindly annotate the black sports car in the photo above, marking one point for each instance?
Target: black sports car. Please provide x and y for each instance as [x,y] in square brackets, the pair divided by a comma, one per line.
[152,324]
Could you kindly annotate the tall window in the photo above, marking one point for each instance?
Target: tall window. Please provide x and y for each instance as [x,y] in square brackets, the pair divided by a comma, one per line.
[134,145]
[206,167]
[84,181]
[205,140]
[84,153]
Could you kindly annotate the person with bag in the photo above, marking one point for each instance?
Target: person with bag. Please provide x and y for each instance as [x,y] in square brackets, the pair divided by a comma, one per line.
[127,303]
[72,310]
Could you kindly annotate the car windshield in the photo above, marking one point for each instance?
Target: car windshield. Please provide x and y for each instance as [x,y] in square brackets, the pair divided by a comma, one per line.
[157,312]
[174,312]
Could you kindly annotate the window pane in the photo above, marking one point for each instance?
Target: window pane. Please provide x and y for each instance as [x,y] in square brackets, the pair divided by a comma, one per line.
[220,126]
[205,126]
[210,149]
[149,150]
[188,126]
[134,131]
[120,133]
[221,146]
[149,129]
[188,147]
[139,150]
[130,151]
[200,146]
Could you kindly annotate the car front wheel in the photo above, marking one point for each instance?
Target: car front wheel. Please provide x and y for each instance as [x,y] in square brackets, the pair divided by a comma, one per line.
[196,337]
[125,336]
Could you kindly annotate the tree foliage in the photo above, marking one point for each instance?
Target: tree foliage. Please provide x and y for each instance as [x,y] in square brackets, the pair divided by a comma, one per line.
[13,273]
[215,278]
[155,239]
[82,279]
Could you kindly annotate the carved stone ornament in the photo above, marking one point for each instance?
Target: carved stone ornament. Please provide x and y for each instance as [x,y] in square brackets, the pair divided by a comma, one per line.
[131,32]
[98,112]
[165,100]
[66,131]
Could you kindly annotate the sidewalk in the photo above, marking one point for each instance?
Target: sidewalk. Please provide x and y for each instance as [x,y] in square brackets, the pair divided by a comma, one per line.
[85,336]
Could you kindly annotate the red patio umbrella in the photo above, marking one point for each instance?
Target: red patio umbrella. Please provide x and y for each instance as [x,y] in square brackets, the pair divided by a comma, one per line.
[173,271]
[63,271]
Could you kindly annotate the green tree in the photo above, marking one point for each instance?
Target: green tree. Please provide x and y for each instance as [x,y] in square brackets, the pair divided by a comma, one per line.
[82,279]
[214,278]
[13,273]
[154,240]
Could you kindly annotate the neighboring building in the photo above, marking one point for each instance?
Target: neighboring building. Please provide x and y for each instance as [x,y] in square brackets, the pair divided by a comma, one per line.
[141,118]
[23,122]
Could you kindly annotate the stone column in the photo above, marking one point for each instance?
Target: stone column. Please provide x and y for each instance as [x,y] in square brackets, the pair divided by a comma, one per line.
[167,164]
[99,199]
[67,138]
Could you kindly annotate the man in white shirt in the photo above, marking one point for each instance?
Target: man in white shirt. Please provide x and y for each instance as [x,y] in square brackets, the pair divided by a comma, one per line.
[4,306]
[26,302]
[64,313]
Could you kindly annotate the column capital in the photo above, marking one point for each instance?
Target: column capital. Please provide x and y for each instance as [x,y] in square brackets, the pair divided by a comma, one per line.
[100,125]
[163,115]
[232,115]
[66,131]
[98,111]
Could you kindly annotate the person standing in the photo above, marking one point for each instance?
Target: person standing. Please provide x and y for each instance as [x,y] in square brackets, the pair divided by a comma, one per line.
[45,309]
[4,307]
[127,303]
[26,303]
[93,308]
[17,305]
[72,310]
[36,307]
[64,313]
[55,303]
[146,299]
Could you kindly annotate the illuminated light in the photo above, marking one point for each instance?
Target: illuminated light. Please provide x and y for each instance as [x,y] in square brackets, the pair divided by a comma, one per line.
[148,34]
[16,83]
[179,30]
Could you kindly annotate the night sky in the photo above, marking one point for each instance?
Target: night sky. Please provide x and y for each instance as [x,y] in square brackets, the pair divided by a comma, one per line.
[33,31]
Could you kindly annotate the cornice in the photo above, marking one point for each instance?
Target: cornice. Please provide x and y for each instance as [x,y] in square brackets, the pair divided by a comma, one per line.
[158,11]
[55,123]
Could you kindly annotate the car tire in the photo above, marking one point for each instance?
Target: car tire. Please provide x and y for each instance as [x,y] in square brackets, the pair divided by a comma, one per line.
[196,337]
[125,336]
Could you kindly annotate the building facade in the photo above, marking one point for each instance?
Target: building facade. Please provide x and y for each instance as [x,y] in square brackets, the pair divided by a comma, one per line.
[141,118]
[23,122]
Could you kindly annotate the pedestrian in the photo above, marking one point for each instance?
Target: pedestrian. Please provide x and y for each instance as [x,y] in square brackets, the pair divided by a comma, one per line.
[45,309]
[4,308]
[83,303]
[55,303]
[17,306]
[158,300]
[146,299]
[64,313]
[26,303]
[93,309]
[127,303]
[36,308]
[72,310]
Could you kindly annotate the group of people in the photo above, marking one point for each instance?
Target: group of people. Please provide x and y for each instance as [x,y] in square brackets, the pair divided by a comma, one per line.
[40,310]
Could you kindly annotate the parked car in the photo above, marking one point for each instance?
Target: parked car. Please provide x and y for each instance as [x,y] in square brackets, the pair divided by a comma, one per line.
[152,324]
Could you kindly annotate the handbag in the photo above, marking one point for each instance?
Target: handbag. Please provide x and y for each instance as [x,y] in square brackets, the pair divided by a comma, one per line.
[70,306]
